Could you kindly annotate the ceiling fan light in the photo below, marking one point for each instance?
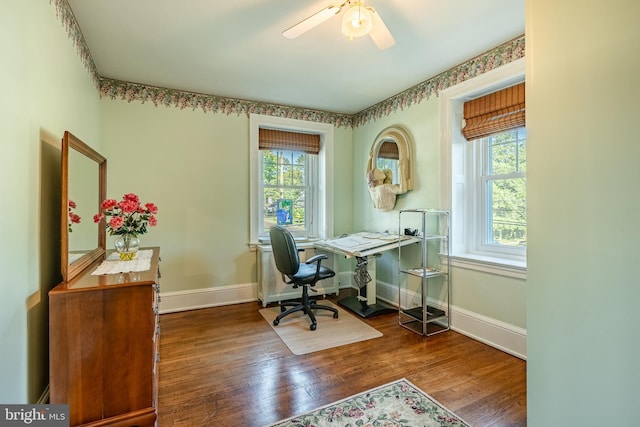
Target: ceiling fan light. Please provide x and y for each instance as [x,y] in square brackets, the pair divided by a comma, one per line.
[357,21]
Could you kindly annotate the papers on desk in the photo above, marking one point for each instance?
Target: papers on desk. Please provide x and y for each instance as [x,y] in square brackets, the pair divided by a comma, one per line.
[364,241]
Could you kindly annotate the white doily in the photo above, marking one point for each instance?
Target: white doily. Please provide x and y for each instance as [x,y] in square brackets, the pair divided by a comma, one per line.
[113,264]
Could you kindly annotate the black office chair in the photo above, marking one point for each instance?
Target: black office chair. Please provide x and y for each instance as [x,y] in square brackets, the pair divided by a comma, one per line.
[285,253]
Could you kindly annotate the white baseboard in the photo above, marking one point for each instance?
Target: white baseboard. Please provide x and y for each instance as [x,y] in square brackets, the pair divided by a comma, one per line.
[503,336]
[171,302]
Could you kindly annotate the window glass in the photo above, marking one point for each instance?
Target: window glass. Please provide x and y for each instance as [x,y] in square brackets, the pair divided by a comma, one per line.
[504,183]
[285,189]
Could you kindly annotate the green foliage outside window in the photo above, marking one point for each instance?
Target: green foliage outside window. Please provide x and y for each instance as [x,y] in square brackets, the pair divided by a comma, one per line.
[284,177]
[505,181]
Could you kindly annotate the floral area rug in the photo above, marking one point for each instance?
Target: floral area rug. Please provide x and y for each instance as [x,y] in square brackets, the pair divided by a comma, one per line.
[398,403]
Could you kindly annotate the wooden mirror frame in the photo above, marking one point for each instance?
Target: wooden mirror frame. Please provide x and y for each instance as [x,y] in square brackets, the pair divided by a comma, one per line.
[71,142]
[404,141]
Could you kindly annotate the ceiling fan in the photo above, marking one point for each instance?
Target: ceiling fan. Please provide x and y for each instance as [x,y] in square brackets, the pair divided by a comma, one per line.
[358,20]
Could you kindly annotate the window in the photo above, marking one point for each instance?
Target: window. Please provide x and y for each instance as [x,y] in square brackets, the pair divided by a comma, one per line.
[484,175]
[502,196]
[287,194]
[291,179]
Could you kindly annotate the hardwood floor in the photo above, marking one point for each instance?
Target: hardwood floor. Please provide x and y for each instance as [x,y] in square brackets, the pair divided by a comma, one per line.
[225,366]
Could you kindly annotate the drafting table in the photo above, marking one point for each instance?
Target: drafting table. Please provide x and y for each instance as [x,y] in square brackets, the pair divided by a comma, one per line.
[365,247]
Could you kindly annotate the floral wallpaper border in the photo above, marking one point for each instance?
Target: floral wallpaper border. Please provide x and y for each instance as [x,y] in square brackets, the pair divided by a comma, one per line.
[116,89]
[68,20]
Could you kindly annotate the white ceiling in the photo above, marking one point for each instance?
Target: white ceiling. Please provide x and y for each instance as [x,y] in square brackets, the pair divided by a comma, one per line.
[235,48]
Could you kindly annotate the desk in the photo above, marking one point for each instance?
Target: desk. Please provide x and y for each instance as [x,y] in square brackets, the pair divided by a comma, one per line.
[365,247]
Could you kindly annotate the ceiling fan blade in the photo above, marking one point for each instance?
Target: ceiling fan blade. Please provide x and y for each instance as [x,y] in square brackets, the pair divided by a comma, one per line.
[312,21]
[380,34]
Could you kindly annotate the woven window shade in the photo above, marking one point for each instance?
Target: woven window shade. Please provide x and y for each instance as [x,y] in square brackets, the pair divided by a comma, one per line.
[495,112]
[271,139]
[389,150]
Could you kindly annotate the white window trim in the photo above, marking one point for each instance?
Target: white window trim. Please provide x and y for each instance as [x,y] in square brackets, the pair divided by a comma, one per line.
[324,210]
[451,101]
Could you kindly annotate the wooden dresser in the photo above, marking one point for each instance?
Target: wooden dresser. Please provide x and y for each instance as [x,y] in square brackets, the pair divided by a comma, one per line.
[104,347]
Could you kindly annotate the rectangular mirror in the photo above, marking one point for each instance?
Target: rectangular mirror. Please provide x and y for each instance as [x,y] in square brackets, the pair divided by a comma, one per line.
[84,187]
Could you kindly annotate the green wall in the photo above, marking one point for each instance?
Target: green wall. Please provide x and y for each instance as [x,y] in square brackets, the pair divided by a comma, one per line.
[583,295]
[45,91]
[422,122]
[195,167]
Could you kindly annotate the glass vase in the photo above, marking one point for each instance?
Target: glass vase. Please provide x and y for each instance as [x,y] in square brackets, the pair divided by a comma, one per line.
[127,246]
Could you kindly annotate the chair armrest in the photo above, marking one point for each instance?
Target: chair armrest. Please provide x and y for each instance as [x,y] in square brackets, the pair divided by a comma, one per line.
[316,258]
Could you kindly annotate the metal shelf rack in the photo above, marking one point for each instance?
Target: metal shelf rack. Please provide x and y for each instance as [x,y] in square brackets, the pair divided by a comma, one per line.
[424,272]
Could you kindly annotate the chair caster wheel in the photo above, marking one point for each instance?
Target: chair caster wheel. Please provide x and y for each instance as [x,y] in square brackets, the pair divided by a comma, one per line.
[313,326]
[275,322]
[335,315]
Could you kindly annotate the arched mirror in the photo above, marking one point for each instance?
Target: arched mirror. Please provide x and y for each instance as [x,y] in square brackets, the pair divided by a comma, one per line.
[390,167]
[84,187]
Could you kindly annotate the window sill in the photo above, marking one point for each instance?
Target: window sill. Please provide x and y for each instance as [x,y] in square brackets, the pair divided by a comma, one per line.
[499,266]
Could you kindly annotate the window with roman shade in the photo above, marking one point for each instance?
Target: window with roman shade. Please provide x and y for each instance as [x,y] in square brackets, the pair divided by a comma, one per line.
[484,171]
[496,112]
[289,180]
[273,139]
